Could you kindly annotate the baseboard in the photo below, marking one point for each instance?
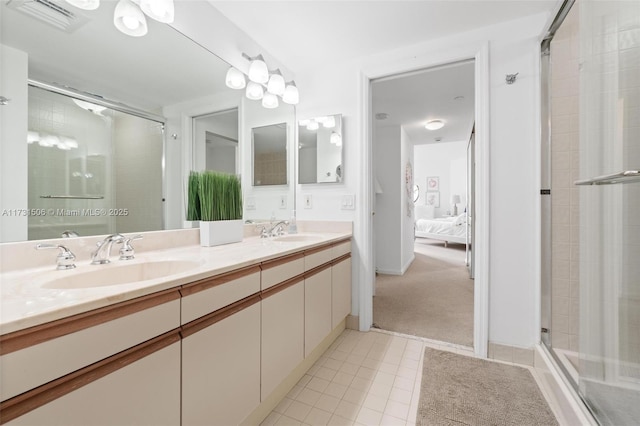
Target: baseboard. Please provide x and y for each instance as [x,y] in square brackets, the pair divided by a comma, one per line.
[396,271]
[409,262]
[524,356]
[569,406]
[353,322]
[268,404]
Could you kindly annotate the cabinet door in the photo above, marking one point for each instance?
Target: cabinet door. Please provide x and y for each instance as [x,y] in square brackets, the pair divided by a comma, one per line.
[221,370]
[145,392]
[340,291]
[317,309]
[282,335]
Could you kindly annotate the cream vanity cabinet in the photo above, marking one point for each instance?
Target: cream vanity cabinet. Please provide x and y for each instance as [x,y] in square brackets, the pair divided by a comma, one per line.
[221,348]
[115,365]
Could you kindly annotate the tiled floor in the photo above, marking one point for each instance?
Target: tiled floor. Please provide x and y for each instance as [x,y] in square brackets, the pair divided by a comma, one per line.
[365,379]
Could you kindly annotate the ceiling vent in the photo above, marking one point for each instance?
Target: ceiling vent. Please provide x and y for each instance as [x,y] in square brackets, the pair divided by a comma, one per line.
[50,12]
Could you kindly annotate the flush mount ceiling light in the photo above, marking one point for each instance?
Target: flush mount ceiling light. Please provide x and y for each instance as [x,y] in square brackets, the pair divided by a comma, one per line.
[254,91]
[434,125]
[129,19]
[85,4]
[276,83]
[270,101]
[235,79]
[160,10]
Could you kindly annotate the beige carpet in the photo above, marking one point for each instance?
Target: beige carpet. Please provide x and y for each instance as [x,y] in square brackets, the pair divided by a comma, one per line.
[461,390]
[433,299]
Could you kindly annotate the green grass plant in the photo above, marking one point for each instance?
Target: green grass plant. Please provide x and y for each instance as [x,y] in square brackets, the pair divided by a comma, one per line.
[193,197]
[220,196]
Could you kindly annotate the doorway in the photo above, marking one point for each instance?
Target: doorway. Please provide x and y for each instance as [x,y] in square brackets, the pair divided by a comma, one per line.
[422,136]
[215,139]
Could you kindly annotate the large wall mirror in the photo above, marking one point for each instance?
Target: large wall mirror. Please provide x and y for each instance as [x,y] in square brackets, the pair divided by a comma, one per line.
[320,150]
[86,126]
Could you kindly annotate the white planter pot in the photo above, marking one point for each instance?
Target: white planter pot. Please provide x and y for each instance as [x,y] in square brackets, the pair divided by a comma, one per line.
[215,233]
[191,224]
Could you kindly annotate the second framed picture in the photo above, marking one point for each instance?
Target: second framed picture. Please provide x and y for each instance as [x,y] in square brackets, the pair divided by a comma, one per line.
[433,199]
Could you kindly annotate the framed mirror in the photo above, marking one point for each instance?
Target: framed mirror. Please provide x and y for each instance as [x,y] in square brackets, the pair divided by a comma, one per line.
[320,153]
[269,150]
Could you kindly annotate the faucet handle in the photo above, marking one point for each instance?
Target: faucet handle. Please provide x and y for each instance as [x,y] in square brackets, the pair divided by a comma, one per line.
[126,251]
[65,258]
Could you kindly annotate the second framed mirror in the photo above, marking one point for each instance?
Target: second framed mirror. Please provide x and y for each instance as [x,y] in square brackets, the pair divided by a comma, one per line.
[320,149]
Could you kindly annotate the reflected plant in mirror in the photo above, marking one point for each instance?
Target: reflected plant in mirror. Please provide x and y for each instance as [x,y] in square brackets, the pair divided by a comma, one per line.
[269,154]
[320,149]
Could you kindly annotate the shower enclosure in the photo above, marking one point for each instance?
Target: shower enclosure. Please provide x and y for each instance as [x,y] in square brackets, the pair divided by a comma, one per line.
[591,199]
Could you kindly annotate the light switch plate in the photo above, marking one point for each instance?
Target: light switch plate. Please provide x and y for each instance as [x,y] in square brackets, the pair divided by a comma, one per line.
[308,201]
[250,204]
[348,202]
[283,201]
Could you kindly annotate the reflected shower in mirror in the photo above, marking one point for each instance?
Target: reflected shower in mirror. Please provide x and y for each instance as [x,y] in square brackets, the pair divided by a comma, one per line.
[269,154]
[320,149]
[215,138]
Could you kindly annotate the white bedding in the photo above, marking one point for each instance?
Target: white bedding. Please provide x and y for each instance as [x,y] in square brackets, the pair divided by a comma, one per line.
[447,228]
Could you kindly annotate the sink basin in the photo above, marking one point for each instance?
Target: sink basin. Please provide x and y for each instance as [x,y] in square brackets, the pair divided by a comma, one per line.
[114,274]
[298,238]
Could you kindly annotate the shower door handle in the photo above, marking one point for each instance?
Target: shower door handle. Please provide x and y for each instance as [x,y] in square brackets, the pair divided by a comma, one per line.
[627,176]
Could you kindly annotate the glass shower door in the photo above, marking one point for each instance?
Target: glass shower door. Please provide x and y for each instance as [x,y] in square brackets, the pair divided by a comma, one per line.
[609,372]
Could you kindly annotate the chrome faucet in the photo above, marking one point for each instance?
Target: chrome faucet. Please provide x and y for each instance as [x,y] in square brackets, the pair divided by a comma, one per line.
[126,251]
[102,253]
[64,260]
[272,230]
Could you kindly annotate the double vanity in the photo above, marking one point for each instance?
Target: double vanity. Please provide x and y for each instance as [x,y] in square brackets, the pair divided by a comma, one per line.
[181,334]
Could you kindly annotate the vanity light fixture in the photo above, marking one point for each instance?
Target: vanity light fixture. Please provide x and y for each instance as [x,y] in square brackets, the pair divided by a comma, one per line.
[434,125]
[270,100]
[32,137]
[85,4]
[276,83]
[329,122]
[160,10]
[254,91]
[304,122]
[291,95]
[129,19]
[313,125]
[258,71]
[235,79]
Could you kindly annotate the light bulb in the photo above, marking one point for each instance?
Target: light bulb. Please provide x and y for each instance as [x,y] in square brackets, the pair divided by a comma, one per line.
[258,70]
[160,10]
[276,84]
[270,100]
[129,19]
[335,139]
[254,91]
[235,79]
[330,122]
[291,95]
[85,4]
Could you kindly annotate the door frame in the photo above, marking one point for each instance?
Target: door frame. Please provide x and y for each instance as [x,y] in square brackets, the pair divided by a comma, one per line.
[364,226]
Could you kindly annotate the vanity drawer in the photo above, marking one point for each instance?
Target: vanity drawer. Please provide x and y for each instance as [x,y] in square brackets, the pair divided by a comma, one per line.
[203,297]
[341,249]
[35,356]
[281,269]
[318,256]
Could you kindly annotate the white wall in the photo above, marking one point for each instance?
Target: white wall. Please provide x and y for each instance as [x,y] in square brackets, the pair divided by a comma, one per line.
[13,144]
[514,160]
[448,162]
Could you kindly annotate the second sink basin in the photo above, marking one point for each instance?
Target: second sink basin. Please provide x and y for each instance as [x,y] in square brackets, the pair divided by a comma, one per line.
[114,274]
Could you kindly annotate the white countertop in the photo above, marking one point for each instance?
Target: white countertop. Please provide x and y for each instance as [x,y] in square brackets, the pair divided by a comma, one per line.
[25,302]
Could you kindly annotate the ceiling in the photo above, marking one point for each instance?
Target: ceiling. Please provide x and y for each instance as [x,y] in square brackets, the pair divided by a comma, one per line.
[306,34]
[443,93]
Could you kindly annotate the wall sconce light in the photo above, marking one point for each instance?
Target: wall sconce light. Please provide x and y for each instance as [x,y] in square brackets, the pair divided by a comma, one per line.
[455,199]
[262,85]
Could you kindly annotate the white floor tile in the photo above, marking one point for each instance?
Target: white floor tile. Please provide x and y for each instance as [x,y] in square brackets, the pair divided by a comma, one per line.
[328,403]
[309,396]
[369,417]
[354,396]
[397,409]
[298,411]
[318,417]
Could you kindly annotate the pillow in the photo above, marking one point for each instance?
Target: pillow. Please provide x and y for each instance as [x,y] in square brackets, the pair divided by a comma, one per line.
[424,212]
[461,219]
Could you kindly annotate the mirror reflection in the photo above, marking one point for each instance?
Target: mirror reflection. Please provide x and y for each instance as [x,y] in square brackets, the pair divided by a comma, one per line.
[217,135]
[320,149]
[269,154]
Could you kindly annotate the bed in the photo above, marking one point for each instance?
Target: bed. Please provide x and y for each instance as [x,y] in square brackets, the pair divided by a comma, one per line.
[448,229]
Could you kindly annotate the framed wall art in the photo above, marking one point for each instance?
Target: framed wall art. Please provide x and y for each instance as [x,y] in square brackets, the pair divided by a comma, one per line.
[433,183]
